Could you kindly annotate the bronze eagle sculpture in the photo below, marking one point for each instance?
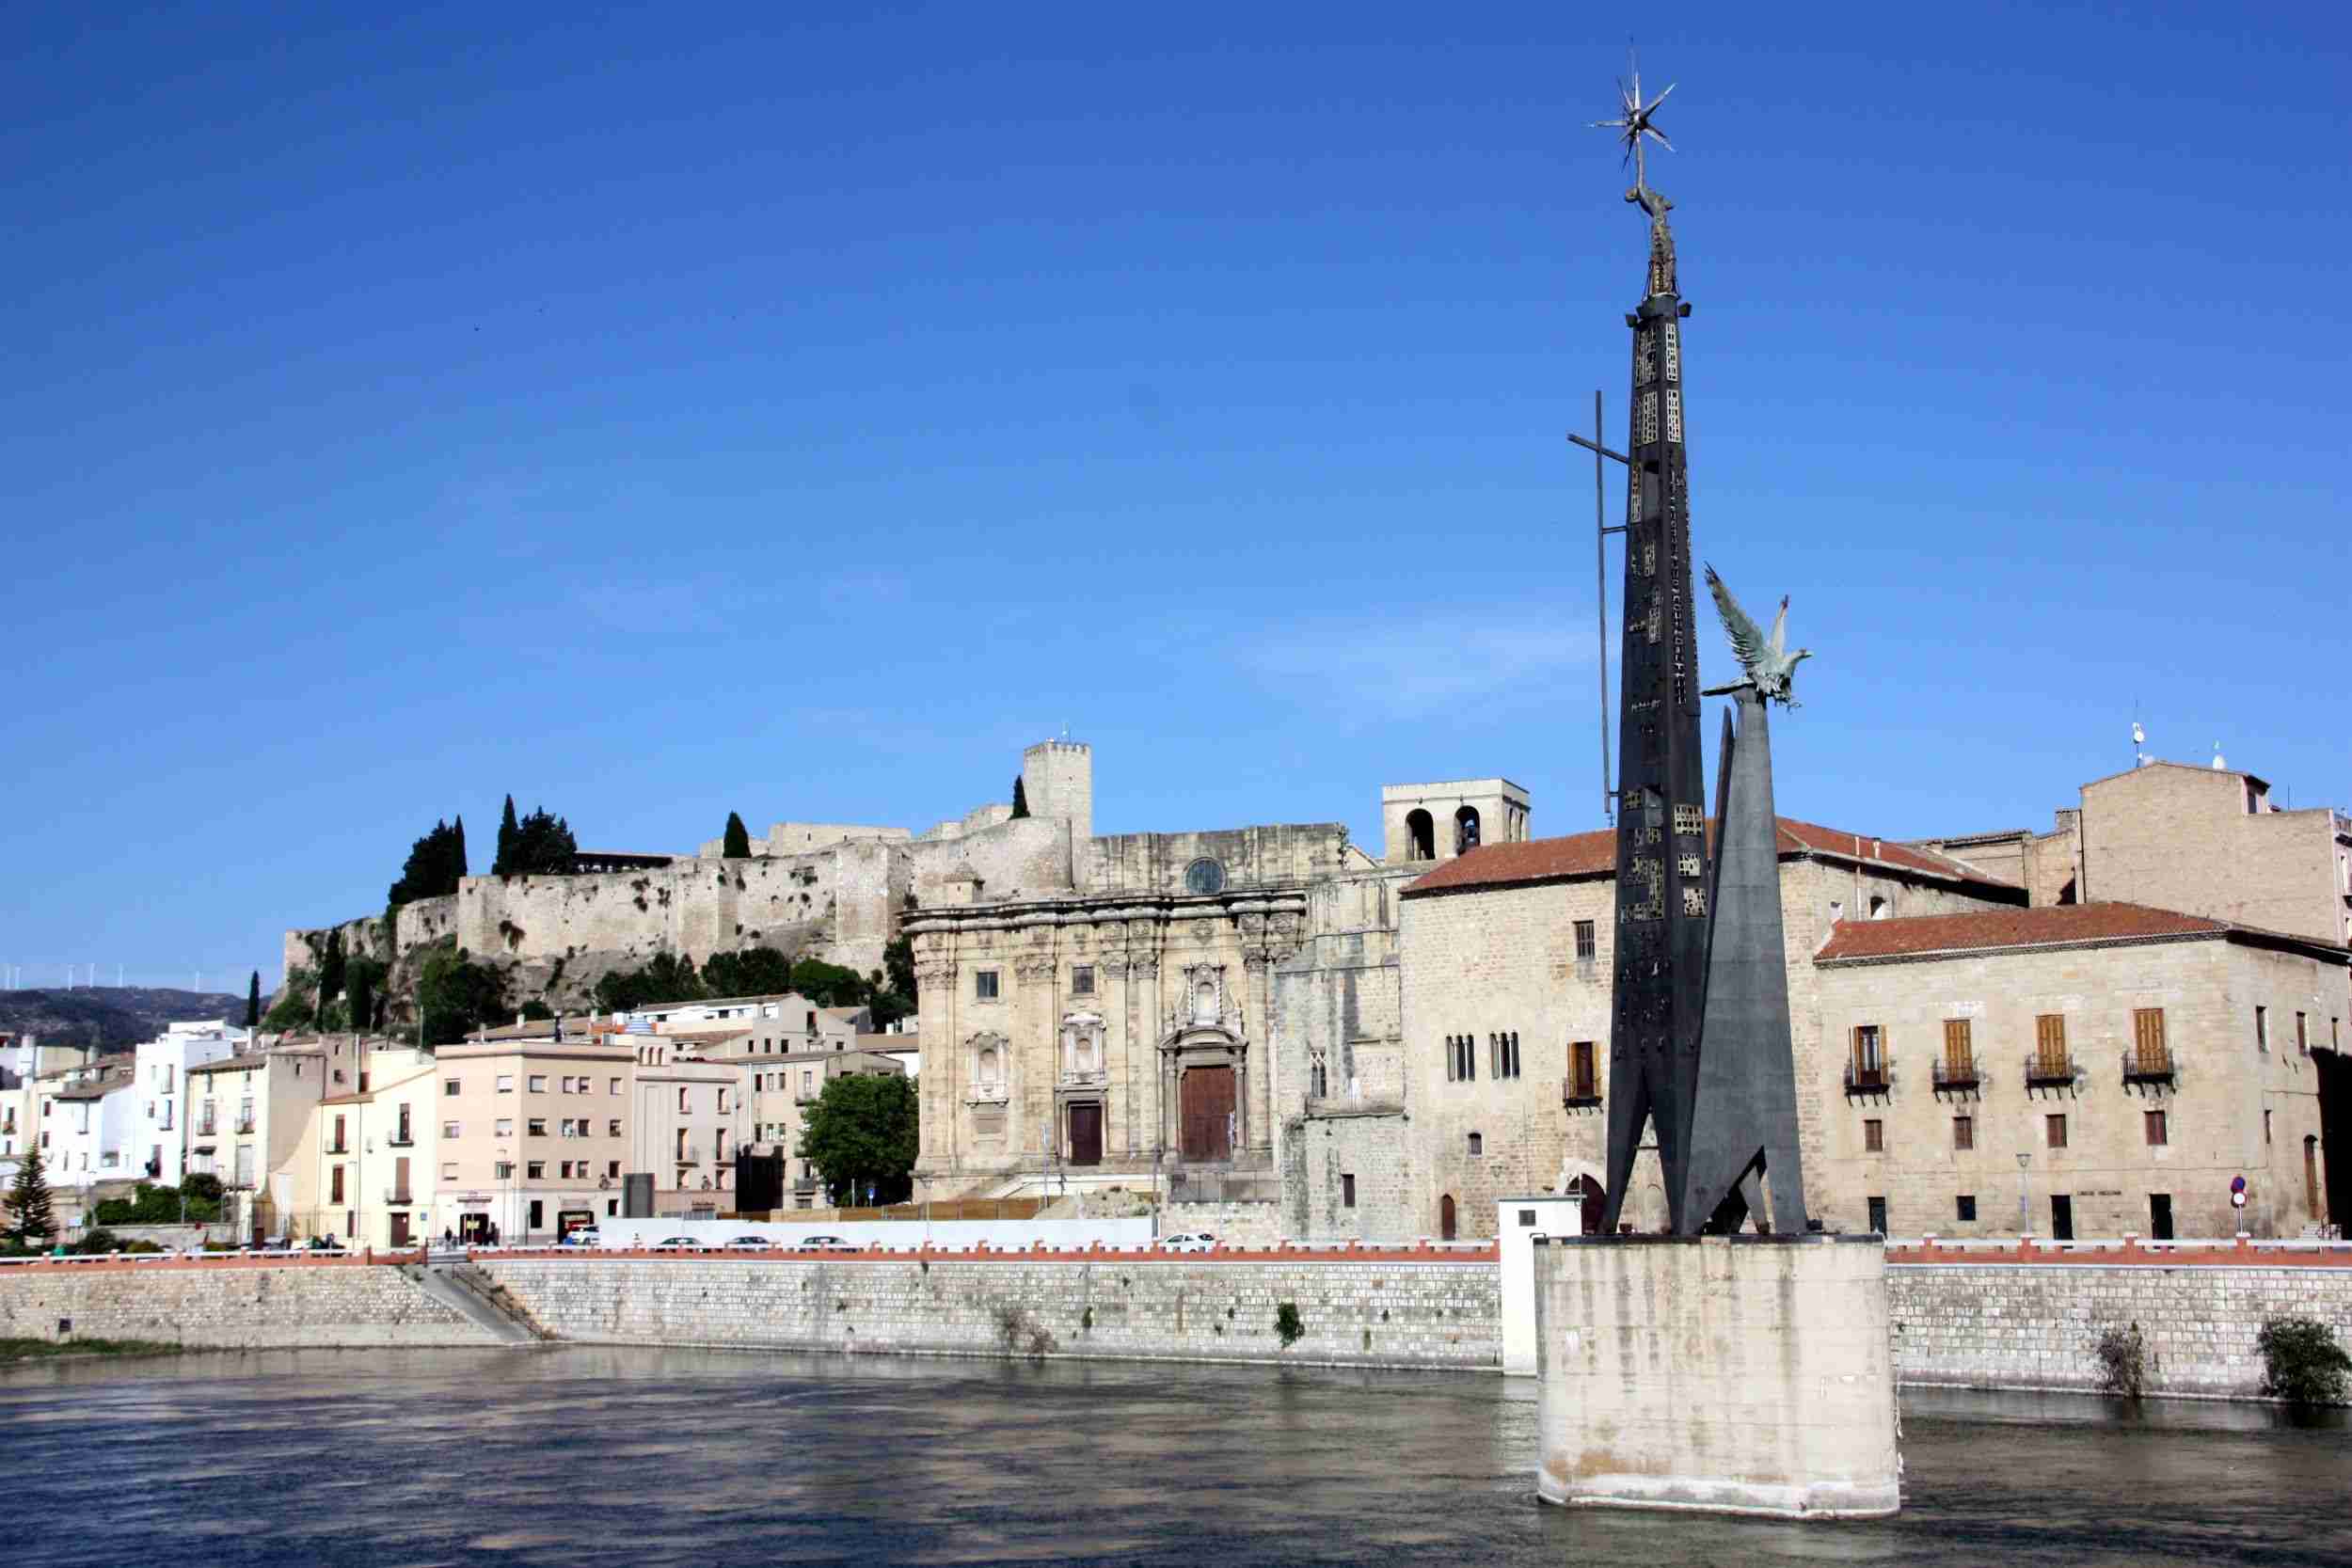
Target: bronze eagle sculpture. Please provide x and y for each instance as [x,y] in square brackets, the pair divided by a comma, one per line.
[1769,664]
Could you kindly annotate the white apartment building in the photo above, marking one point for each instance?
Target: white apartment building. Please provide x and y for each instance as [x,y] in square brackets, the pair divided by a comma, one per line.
[160,1139]
[87,1119]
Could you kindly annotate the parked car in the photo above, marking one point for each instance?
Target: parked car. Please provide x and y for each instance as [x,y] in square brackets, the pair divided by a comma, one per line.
[824,1243]
[586,1235]
[1188,1241]
[678,1243]
[750,1243]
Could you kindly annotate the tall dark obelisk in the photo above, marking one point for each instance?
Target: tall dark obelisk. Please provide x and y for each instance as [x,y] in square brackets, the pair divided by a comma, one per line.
[1661,925]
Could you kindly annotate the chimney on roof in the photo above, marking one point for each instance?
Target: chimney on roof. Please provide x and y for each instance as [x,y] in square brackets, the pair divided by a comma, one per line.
[1876,850]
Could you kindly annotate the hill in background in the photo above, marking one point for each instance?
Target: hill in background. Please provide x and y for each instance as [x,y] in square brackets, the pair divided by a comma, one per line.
[110,1017]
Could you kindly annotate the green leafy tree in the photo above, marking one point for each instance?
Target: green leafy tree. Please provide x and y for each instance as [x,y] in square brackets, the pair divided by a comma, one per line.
[828,984]
[435,865]
[458,995]
[297,1005]
[536,1011]
[539,845]
[899,965]
[754,971]
[862,1133]
[32,1218]
[739,839]
[666,978]
[1020,797]
[253,1000]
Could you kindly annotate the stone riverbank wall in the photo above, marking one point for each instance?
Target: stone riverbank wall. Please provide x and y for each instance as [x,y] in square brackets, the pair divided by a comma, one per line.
[1386,1309]
[2033,1319]
[230,1303]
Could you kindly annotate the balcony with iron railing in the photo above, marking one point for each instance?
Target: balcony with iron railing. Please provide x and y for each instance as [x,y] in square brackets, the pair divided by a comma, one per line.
[1580,1092]
[400,1140]
[245,1124]
[206,1128]
[1948,1074]
[397,1197]
[2148,1064]
[687,1155]
[2050,1070]
[1869,1078]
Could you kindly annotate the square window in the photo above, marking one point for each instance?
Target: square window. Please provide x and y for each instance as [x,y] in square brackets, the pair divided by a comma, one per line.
[1585,942]
[1878,1215]
[503,1128]
[503,1171]
[612,1168]
[2054,1132]
[615,1088]
[1964,1208]
[449,1087]
[449,1129]
[2154,1128]
[1873,1136]
[449,1170]
[613,1129]
[984,985]
[538,1127]
[1527,1218]
[535,1170]
[1477,1146]
[506,1083]
[1964,1131]
[538,1083]
[1082,980]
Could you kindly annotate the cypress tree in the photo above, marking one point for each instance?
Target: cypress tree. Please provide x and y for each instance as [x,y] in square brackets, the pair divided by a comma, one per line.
[331,965]
[32,1222]
[1020,797]
[508,831]
[739,839]
[253,1000]
[458,854]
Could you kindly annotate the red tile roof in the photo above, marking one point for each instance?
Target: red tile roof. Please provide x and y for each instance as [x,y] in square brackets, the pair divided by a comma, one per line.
[1595,853]
[2056,925]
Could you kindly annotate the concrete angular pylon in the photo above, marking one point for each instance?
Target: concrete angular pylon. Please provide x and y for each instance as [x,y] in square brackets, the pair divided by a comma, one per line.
[1744,1121]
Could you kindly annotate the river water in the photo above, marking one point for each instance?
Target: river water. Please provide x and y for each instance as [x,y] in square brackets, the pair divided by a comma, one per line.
[593,1456]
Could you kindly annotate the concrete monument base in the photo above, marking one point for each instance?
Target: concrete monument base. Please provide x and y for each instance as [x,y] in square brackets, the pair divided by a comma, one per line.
[1739,1374]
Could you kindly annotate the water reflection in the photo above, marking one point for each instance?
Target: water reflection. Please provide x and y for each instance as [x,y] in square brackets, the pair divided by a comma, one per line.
[610,1456]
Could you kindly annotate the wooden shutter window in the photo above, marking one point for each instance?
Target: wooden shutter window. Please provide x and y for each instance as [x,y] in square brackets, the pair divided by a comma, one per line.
[1959,1047]
[2148,1039]
[2050,1041]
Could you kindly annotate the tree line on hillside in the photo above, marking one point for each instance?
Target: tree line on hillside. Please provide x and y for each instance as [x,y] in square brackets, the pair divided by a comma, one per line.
[667,977]
[346,992]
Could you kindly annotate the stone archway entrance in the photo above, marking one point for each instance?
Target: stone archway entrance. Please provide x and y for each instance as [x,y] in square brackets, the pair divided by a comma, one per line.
[1591,1202]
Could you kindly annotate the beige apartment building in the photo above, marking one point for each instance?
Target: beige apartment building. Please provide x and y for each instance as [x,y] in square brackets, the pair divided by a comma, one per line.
[249,1112]
[783,1088]
[533,1137]
[688,1118]
[365,1169]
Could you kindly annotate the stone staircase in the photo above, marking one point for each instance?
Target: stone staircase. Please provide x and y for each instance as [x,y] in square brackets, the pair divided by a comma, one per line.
[472,1294]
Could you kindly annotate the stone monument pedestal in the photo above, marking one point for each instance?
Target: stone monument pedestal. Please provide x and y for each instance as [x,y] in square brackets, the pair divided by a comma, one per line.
[1739,1374]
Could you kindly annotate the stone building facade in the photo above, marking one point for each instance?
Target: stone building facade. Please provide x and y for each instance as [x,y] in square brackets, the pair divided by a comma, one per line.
[2206,841]
[1507,957]
[2091,1070]
[1120,1031]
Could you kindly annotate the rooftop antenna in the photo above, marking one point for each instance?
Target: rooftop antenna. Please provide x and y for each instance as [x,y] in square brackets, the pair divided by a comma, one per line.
[2139,740]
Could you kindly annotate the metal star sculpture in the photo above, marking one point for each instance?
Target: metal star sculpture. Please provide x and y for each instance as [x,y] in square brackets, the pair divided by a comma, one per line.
[1633,123]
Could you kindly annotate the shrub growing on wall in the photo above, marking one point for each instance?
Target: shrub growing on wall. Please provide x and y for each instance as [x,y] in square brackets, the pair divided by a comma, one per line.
[1287,1325]
[2124,1363]
[2302,1363]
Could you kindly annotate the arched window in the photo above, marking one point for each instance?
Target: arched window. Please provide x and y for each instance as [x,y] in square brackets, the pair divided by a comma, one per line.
[1318,1080]
[987,1070]
[1466,829]
[1445,1217]
[1420,836]
[1880,906]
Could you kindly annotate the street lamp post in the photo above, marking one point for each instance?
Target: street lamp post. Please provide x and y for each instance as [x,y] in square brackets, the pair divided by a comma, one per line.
[2023,1210]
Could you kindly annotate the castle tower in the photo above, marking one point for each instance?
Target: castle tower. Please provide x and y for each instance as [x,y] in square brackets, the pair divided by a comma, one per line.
[1438,821]
[1057,776]
[1662,926]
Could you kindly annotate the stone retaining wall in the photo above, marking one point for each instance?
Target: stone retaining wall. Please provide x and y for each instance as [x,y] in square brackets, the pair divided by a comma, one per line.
[1373,1311]
[2037,1325]
[230,1303]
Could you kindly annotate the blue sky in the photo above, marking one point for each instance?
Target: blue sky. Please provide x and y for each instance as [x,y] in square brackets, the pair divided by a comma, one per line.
[677,411]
